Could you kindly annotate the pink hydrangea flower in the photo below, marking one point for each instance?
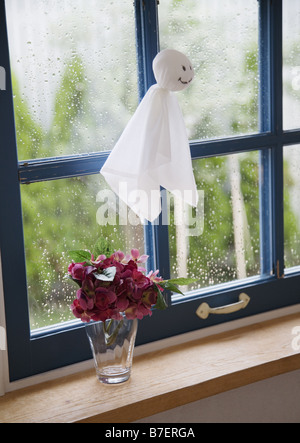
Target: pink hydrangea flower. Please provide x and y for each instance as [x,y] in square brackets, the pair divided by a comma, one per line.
[131,292]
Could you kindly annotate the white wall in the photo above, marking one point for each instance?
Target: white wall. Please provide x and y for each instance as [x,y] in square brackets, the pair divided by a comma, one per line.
[276,400]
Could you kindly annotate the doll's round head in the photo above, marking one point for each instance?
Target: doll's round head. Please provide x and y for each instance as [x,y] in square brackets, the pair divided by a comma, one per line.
[173,70]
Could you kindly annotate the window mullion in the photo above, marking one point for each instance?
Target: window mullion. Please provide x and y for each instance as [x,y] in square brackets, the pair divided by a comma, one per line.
[277,126]
[147,42]
[271,163]
[34,171]
[156,235]
[265,113]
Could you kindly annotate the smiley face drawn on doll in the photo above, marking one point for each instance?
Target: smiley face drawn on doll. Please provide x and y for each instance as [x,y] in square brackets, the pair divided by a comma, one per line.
[173,70]
[185,69]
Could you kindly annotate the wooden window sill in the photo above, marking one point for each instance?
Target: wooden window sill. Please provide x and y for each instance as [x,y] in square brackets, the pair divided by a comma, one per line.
[164,379]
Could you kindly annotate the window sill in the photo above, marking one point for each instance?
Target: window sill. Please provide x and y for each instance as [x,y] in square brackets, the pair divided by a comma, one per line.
[164,379]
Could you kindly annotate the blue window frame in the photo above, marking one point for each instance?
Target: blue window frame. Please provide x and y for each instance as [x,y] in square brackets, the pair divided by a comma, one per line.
[30,354]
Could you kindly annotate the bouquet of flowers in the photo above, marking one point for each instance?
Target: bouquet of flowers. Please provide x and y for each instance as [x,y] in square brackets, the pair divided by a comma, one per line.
[110,287]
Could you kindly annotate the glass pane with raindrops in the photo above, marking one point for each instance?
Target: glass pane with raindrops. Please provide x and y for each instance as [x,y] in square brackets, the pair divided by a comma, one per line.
[221,39]
[64,215]
[74,74]
[219,242]
[292,206]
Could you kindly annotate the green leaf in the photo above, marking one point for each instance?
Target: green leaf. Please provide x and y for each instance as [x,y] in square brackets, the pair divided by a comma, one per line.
[182,281]
[103,247]
[161,303]
[107,274]
[170,287]
[80,256]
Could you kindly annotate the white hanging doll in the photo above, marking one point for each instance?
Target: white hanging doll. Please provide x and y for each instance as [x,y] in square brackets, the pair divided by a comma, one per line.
[153,151]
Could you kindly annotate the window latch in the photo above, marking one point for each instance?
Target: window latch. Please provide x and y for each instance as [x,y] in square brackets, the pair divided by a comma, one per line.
[205,310]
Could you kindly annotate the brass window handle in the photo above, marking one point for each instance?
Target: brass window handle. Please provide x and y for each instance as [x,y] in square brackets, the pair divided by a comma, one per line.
[205,310]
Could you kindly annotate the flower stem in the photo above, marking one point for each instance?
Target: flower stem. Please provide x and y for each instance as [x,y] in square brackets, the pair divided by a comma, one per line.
[111,338]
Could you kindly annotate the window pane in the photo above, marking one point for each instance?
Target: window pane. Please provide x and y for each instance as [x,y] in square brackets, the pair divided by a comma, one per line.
[221,38]
[64,215]
[74,74]
[221,242]
[291,64]
[292,205]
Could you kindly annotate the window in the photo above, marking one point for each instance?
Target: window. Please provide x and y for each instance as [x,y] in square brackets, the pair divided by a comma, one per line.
[69,95]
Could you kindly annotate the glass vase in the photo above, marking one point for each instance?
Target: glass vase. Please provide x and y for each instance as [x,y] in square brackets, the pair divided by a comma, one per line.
[112,343]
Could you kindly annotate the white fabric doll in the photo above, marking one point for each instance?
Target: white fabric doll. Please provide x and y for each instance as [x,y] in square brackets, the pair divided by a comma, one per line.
[153,151]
